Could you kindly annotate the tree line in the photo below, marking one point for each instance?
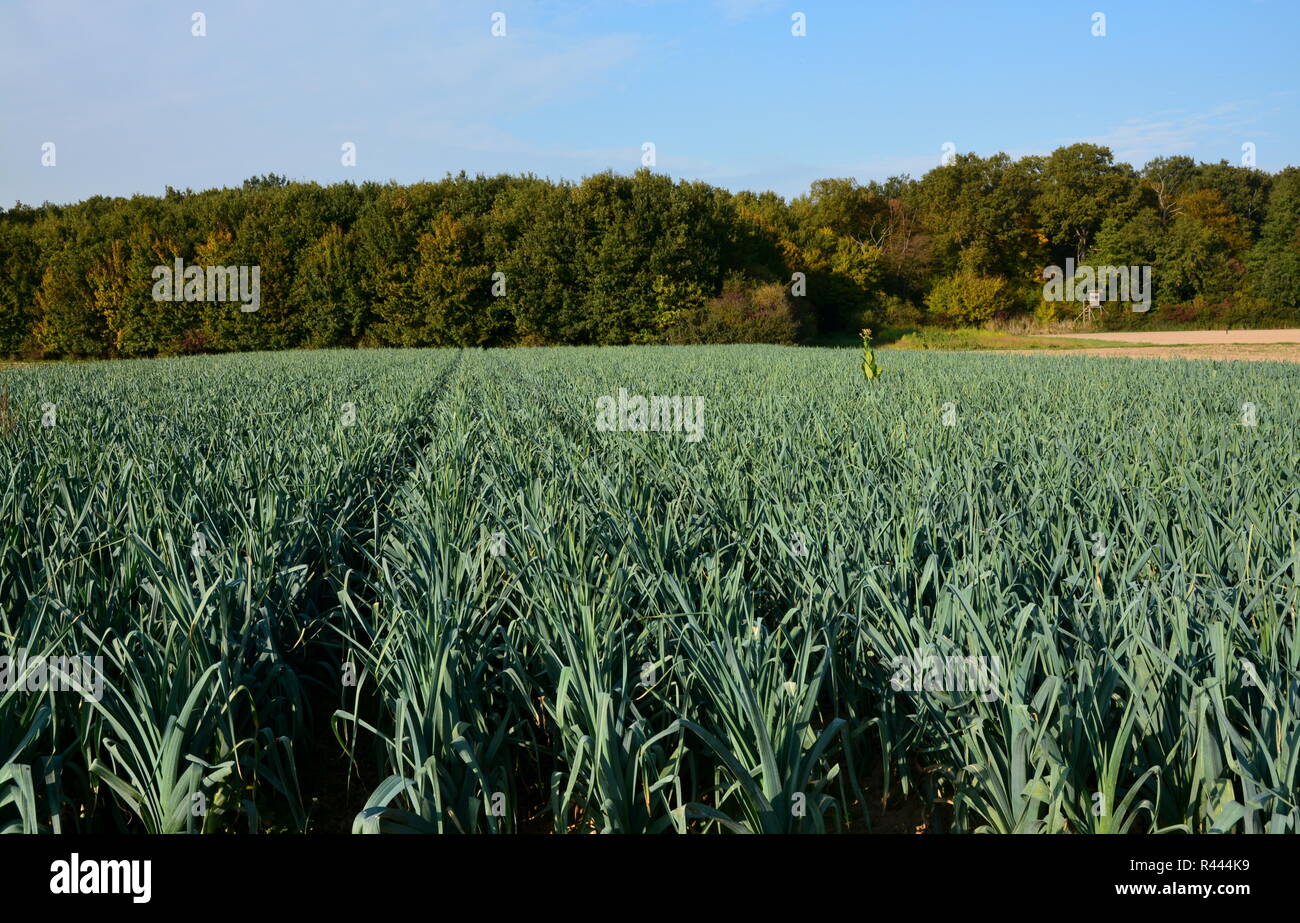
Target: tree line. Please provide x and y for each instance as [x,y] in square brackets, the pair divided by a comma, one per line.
[614,259]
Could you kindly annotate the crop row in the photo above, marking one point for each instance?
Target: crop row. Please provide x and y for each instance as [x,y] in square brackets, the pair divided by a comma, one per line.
[425,591]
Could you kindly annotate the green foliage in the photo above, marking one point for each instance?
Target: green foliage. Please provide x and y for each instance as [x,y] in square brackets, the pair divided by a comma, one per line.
[20,277]
[964,338]
[631,259]
[202,576]
[327,291]
[969,298]
[870,371]
[510,620]
[1275,261]
[745,312]
[1081,185]
[70,324]
[1192,259]
[979,214]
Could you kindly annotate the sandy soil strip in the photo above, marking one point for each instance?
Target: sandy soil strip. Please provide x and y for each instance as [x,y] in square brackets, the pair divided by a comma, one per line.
[1192,337]
[1248,352]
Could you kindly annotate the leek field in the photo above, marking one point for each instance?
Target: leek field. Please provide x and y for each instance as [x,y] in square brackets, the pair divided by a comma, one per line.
[422,591]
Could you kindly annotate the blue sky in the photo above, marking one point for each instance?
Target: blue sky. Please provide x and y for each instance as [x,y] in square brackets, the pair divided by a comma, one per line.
[135,103]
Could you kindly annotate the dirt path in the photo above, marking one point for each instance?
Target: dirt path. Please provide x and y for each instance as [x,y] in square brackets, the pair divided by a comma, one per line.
[1244,345]
[1192,337]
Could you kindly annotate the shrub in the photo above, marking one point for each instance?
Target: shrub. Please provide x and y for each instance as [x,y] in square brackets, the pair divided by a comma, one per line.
[743,312]
[190,343]
[969,298]
[899,312]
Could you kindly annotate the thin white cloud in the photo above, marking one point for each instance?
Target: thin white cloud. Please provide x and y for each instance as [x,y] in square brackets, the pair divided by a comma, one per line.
[1211,134]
